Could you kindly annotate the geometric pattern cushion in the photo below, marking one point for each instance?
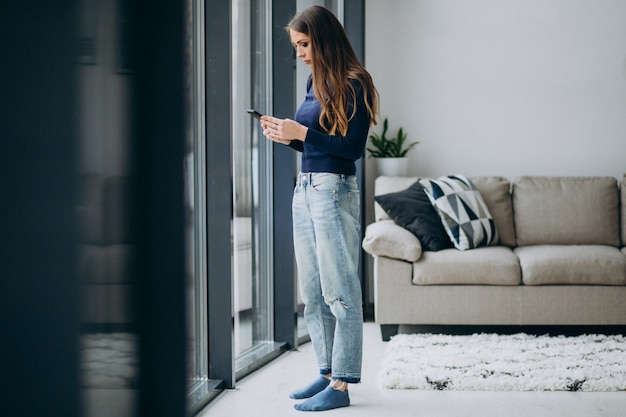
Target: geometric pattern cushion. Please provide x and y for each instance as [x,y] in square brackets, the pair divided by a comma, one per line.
[462,210]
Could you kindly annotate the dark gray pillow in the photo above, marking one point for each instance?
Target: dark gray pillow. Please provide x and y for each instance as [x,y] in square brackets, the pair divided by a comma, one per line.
[412,210]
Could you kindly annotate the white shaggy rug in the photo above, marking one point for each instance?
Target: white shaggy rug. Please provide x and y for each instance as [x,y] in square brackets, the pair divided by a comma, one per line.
[490,362]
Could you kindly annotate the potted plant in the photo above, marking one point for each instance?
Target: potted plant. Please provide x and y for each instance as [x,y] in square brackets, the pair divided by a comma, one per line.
[390,153]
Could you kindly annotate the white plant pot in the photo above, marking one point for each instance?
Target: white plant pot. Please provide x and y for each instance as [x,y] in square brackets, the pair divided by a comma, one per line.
[392,167]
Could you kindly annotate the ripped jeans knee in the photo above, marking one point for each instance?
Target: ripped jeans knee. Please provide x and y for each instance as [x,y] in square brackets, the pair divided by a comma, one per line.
[331,300]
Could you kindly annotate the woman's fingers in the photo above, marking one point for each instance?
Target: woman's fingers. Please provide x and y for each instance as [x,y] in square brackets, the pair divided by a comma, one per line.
[276,129]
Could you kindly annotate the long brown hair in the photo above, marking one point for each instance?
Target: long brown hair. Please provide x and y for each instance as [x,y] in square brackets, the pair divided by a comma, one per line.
[334,65]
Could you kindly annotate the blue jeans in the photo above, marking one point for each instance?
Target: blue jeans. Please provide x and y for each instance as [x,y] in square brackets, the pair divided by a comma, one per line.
[327,244]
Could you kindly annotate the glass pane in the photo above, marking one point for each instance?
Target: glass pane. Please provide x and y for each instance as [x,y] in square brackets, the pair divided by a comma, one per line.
[252,249]
[107,247]
[195,203]
[242,248]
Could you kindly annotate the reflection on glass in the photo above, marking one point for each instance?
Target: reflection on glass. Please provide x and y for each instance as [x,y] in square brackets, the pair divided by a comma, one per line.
[244,272]
[108,345]
[252,202]
[195,172]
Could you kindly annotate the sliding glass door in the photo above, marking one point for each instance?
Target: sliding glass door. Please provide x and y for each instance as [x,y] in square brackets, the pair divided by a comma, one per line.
[231,160]
[252,246]
[241,295]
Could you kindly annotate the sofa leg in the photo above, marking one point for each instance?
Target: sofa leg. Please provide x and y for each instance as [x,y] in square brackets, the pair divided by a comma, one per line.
[388,330]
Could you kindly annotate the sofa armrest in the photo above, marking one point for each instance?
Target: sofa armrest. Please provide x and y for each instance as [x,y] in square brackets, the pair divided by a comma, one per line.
[385,238]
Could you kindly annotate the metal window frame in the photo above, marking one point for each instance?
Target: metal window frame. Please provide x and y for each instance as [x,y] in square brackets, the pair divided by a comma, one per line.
[218,190]
[284,164]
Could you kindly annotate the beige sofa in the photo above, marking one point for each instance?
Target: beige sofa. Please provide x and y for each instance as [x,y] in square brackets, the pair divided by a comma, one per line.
[560,259]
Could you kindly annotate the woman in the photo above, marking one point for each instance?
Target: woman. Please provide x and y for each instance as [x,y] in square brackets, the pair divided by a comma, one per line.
[330,129]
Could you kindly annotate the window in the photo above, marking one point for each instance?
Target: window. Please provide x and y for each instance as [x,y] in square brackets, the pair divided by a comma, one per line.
[195,204]
[239,188]
[107,248]
[252,251]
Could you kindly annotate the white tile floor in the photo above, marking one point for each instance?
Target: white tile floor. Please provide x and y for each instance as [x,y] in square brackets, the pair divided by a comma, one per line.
[266,393]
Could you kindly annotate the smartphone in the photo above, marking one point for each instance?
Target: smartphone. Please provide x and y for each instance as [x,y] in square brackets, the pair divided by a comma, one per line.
[254,113]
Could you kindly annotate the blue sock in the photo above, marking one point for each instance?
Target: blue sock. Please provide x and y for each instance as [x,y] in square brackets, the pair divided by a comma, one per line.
[310,390]
[326,400]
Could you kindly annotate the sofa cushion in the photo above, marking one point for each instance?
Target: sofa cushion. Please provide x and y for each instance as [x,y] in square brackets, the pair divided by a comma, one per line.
[495,265]
[566,210]
[463,211]
[411,209]
[496,191]
[385,238]
[106,211]
[572,264]
[106,264]
[386,185]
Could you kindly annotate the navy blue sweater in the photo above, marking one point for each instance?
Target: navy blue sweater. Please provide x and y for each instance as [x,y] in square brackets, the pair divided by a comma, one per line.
[322,152]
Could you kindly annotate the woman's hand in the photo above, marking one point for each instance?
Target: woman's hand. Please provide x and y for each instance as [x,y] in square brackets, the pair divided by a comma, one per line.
[282,130]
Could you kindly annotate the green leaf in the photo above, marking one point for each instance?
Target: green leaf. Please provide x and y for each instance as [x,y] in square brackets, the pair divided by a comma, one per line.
[384,147]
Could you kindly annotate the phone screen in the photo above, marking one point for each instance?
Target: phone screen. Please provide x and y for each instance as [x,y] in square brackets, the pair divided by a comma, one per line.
[254,113]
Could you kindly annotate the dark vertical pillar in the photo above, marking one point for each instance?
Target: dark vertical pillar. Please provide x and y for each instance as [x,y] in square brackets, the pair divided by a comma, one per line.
[283,80]
[219,190]
[38,227]
[159,151]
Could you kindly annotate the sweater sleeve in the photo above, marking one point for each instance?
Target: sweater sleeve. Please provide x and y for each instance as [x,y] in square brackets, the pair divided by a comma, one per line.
[298,145]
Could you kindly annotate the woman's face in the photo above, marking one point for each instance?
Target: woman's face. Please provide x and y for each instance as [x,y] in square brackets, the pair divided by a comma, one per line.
[302,43]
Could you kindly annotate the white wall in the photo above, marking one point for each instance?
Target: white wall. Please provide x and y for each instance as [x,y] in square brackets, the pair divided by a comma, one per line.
[503,87]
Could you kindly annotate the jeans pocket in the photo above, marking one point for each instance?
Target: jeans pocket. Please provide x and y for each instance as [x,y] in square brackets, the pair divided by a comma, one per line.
[324,182]
[354,203]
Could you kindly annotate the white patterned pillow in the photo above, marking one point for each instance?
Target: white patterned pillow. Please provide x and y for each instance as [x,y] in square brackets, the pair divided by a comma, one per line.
[463,211]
